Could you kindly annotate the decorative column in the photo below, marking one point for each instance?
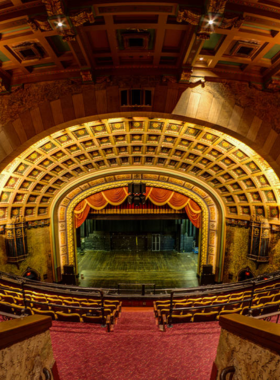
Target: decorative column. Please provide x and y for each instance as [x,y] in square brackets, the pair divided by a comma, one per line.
[16,240]
[259,239]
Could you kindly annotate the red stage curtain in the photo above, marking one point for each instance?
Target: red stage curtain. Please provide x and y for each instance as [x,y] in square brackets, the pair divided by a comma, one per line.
[178,201]
[81,212]
[115,196]
[194,213]
[156,195]
[97,201]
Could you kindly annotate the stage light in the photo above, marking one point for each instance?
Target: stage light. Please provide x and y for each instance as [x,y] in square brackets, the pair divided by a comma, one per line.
[136,193]
[143,199]
[137,188]
[136,200]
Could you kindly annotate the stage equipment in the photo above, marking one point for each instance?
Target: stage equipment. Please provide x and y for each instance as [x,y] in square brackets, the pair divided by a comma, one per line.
[207,278]
[136,193]
[68,277]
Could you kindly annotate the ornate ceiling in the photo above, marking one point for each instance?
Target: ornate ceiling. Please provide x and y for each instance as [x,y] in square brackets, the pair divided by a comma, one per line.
[244,180]
[89,41]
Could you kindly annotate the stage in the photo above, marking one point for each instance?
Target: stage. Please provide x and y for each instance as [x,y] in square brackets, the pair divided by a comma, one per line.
[165,269]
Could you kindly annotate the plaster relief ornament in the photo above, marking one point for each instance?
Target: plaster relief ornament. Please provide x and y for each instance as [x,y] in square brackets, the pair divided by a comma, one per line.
[188,16]
[39,24]
[86,76]
[54,7]
[217,6]
[82,17]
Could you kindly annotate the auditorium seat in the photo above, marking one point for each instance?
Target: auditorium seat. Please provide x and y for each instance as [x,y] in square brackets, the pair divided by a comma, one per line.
[236,297]
[19,310]
[68,317]
[184,318]
[232,306]
[233,311]
[6,307]
[271,307]
[55,301]
[276,297]
[265,299]
[7,299]
[49,313]
[205,317]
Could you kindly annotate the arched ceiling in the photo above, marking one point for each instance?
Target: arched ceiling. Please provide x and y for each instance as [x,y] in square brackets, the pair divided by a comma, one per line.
[244,180]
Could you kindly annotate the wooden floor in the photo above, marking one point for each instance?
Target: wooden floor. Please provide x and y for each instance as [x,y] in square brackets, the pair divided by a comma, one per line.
[165,269]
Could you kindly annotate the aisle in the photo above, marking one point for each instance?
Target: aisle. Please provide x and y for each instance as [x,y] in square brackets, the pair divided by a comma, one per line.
[136,350]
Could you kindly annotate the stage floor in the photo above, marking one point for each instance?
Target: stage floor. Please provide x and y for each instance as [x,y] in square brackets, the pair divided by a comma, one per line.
[165,269]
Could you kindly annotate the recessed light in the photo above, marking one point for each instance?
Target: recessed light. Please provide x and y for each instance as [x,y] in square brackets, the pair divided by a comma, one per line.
[201,58]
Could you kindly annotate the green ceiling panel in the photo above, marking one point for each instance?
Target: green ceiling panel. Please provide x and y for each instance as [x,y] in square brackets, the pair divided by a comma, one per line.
[272,52]
[212,42]
[3,58]
[61,46]
[229,63]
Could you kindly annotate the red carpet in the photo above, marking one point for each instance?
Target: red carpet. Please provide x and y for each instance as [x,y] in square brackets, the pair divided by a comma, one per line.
[136,350]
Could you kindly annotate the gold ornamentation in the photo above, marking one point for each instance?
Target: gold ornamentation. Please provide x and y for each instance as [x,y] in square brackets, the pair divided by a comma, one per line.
[82,17]
[54,7]
[83,195]
[188,16]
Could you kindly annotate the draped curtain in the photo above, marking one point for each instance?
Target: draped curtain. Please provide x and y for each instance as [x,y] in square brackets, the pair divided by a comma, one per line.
[158,196]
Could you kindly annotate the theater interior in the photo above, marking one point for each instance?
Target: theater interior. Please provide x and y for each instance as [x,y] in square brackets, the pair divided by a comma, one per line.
[139,190]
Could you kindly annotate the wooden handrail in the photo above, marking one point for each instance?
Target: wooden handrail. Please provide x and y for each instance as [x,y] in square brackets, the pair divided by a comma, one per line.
[257,331]
[17,330]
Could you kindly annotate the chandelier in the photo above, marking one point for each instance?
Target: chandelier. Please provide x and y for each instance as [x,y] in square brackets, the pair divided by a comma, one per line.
[136,193]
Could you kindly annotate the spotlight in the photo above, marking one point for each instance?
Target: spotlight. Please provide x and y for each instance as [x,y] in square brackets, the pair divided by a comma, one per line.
[211,22]
[136,200]
[136,193]
[60,24]
[143,199]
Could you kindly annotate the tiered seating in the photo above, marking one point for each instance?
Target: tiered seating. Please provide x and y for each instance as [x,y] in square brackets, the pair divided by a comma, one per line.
[60,307]
[210,307]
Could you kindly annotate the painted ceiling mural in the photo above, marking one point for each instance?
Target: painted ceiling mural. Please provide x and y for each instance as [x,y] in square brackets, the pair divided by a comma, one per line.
[244,180]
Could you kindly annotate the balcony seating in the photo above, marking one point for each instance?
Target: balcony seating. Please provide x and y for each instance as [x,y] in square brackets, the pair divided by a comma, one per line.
[205,317]
[68,317]
[232,311]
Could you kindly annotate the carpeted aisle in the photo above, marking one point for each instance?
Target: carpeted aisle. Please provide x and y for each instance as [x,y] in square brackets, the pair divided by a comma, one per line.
[136,350]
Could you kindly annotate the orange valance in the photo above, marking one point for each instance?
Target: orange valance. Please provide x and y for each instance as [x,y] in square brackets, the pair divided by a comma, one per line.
[158,196]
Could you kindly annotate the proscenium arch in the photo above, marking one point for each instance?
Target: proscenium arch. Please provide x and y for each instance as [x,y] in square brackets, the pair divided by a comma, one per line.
[154,116]
[205,230]
[197,190]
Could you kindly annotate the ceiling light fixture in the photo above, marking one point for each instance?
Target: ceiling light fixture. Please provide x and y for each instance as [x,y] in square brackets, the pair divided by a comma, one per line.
[211,22]
[60,24]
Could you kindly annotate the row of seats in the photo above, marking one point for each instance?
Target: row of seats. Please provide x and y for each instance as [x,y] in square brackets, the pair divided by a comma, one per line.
[205,315]
[109,319]
[242,299]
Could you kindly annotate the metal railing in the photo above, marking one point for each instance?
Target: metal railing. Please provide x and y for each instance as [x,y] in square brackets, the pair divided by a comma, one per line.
[143,287]
[161,292]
